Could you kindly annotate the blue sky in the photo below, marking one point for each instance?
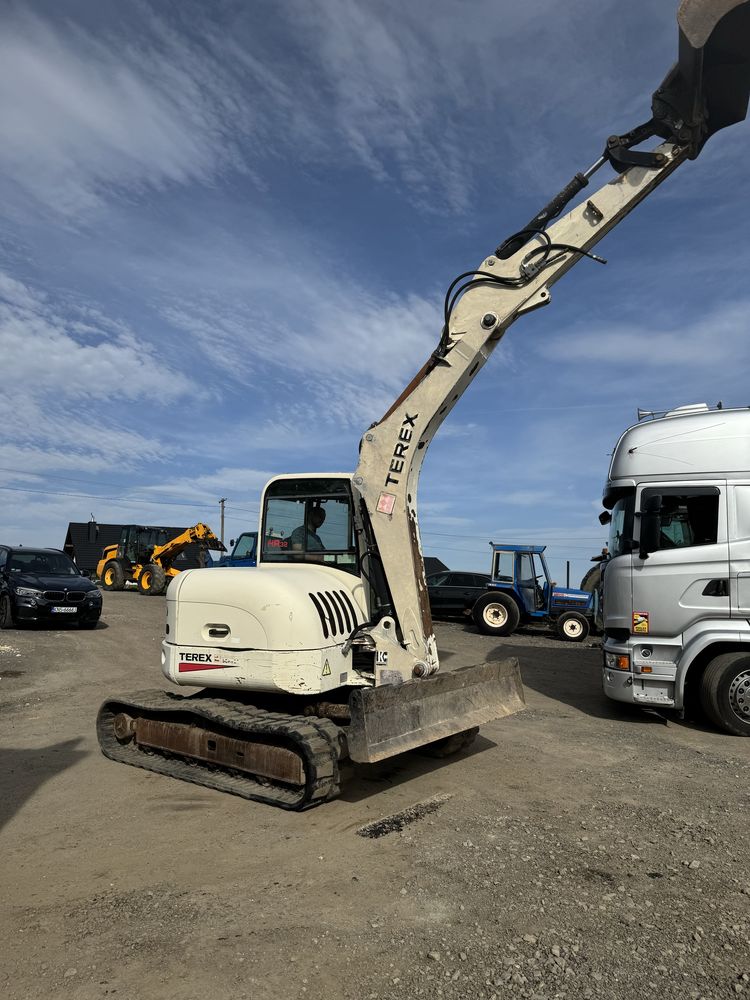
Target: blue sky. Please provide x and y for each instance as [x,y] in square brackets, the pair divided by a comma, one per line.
[228,228]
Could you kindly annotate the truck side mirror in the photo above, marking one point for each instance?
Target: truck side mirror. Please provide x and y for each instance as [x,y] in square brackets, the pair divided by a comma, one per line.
[605,517]
[650,525]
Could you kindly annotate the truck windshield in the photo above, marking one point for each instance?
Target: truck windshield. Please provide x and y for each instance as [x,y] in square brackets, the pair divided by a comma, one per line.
[621,526]
[245,547]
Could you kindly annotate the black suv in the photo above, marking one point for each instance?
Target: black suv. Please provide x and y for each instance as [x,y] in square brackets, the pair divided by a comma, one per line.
[455,593]
[43,585]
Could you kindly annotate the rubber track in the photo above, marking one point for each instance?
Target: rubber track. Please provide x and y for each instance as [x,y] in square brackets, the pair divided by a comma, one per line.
[318,741]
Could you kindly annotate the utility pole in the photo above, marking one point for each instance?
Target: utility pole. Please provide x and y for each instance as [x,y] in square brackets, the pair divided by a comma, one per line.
[221,529]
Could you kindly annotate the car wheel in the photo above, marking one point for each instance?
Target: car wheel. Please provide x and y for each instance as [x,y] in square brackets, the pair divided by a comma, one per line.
[496,614]
[725,693]
[153,580]
[113,577]
[572,627]
[6,612]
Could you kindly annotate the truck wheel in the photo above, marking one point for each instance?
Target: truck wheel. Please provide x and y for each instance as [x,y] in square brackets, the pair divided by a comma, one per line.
[572,627]
[496,614]
[725,693]
[153,580]
[113,577]
[6,612]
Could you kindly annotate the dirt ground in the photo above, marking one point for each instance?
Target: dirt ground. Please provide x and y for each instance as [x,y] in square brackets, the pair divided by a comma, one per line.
[579,849]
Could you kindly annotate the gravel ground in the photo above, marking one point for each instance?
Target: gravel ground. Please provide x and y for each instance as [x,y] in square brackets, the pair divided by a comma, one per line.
[579,849]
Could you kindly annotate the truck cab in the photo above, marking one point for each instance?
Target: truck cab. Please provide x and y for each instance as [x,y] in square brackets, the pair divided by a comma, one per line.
[521,590]
[676,589]
[244,551]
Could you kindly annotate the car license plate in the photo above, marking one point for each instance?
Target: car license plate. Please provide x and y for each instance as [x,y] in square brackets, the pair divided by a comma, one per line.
[64,611]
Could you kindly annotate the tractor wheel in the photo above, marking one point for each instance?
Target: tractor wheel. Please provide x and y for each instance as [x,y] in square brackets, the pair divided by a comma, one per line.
[113,577]
[725,693]
[153,580]
[6,612]
[572,627]
[496,614]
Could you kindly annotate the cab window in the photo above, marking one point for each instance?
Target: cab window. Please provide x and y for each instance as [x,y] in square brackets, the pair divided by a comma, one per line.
[687,516]
[245,547]
[309,520]
[503,570]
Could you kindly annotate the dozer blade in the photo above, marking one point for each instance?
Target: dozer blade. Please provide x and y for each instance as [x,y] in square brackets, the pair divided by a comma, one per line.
[708,88]
[394,718]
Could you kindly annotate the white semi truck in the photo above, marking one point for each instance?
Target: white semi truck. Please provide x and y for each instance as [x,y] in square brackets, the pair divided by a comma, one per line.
[677,585]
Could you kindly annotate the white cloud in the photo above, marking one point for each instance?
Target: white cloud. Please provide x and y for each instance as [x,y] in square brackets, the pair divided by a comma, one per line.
[420,95]
[326,344]
[708,339]
[46,352]
[82,113]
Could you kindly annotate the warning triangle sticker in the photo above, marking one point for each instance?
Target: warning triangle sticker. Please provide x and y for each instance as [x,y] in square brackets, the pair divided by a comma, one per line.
[326,669]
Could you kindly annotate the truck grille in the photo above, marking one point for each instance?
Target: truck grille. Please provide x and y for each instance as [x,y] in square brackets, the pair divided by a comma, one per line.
[336,612]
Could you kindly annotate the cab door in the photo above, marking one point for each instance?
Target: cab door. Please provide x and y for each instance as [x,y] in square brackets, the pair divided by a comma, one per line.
[685,579]
[739,549]
[526,581]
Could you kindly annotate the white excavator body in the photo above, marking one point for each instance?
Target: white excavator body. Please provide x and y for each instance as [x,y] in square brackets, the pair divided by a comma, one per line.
[267,628]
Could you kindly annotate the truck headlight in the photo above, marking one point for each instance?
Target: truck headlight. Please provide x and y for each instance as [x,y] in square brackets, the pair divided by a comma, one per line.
[27,592]
[617,661]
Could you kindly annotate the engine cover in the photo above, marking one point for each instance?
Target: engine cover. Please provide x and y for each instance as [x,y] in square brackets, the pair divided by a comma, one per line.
[266,628]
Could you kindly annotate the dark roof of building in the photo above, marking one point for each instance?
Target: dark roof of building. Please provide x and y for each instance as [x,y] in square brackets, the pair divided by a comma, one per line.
[86,539]
[433,565]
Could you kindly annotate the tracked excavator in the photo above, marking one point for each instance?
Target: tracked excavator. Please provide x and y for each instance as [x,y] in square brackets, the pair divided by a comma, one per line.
[325,651]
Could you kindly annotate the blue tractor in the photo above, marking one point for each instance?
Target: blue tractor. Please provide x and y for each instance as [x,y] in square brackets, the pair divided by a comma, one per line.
[520,590]
[244,551]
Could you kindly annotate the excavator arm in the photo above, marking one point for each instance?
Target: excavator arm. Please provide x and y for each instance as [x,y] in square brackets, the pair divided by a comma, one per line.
[705,91]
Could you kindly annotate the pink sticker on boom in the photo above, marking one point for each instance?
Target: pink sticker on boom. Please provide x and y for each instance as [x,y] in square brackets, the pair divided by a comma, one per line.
[386,503]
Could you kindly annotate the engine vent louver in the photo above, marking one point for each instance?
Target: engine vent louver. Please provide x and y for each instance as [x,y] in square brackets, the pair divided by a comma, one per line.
[336,611]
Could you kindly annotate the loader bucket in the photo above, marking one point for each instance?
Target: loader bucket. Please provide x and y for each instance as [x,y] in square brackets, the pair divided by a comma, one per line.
[394,718]
[708,88]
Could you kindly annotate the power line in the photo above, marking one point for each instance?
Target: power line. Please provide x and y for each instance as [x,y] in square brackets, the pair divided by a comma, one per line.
[96,496]
[67,479]
[90,482]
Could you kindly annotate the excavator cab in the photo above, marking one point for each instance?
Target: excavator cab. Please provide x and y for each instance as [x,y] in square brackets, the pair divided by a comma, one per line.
[309,519]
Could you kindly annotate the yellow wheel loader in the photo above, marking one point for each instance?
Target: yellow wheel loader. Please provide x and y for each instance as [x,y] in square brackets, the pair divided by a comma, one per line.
[146,556]
[325,651]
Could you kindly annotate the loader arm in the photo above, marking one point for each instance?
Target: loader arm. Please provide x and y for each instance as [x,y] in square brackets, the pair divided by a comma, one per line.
[713,72]
[166,554]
